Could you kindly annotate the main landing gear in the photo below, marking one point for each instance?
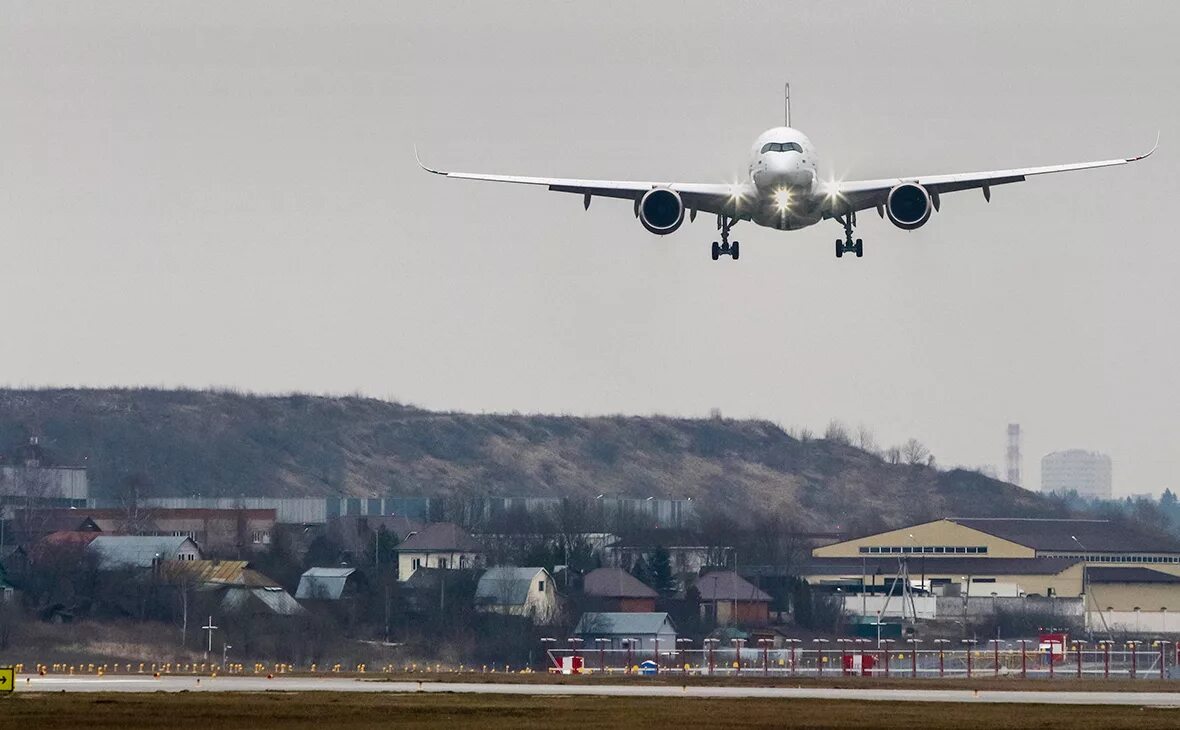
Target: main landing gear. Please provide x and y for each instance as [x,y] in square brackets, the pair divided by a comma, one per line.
[725,247]
[847,246]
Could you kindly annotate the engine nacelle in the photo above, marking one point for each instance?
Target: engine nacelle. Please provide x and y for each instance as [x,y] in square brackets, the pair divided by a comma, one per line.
[908,206]
[661,211]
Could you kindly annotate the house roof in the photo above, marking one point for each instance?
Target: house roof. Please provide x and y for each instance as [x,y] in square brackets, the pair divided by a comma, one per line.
[69,537]
[507,586]
[440,537]
[220,572]
[1059,534]
[629,624]
[136,550]
[615,583]
[726,585]
[273,599]
[1129,575]
[323,583]
[934,565]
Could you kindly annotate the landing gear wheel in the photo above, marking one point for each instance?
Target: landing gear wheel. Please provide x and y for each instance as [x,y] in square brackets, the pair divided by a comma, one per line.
[725,248]
[848,245]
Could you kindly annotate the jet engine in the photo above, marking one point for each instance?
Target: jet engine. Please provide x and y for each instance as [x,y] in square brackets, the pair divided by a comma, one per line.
[908,206]
[661,211]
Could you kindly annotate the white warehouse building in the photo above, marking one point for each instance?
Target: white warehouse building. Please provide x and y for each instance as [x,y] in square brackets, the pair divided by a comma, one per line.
[1086,472]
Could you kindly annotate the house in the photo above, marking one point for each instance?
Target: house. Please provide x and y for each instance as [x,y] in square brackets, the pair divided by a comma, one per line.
[433,590]
[259,601]
[330,584]
[438,545]
[355,533]
[728,599]
[242,589]
[219,531]
[518,592]
[646,631]
[688,551]
[614,589]
[135,551]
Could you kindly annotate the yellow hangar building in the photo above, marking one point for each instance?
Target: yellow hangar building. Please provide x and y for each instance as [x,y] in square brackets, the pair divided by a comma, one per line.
[1117,568]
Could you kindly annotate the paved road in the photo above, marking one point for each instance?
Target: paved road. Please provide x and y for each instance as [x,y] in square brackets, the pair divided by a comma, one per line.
[310,684]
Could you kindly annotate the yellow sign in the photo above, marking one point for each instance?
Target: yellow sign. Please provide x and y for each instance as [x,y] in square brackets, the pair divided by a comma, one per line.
[7,679]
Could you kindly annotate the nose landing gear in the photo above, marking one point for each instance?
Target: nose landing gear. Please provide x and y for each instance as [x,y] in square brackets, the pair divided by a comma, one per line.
[847,245]
[725,247]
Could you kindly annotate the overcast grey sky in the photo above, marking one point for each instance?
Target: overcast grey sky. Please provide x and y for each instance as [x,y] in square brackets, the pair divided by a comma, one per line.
[224,193]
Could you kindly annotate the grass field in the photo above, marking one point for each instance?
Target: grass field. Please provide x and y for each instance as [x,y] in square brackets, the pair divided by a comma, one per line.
[320,711]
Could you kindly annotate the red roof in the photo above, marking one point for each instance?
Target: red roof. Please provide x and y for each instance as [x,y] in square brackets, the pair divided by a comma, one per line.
[69,537]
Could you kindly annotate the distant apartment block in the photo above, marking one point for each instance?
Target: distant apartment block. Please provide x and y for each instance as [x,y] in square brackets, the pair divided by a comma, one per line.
[1086,472]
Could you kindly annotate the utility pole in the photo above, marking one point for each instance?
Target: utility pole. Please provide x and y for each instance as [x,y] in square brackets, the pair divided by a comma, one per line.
[184,613]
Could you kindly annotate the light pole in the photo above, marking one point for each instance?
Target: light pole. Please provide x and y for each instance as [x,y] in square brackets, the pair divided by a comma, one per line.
[819,656]
[602,642]
[225,647]
[547,643]
[941,643]
[765,644]
[967,645]
[711,645]
[886,642]
[1085,587]
[683,643]
[860,646]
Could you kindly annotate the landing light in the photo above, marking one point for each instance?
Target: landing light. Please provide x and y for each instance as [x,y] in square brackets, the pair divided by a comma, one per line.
[782,199]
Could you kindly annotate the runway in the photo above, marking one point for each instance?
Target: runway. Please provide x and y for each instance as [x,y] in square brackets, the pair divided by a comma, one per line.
[328,684]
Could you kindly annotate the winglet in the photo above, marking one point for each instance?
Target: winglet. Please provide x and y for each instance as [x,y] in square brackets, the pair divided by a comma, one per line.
[1149,152]
[424,167]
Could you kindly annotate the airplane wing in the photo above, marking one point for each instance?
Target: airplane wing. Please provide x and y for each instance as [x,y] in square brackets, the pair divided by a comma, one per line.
[857,195]
[708,197]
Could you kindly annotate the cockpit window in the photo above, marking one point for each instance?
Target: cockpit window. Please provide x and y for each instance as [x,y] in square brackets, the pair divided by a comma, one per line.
[781,147]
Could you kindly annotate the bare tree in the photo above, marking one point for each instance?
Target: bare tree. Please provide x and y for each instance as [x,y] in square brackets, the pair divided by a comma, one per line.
[838,433]
[865,439]
[914,452]
[893,454]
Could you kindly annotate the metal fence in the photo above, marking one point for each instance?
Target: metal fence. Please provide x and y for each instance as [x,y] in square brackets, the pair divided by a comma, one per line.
[1134,660]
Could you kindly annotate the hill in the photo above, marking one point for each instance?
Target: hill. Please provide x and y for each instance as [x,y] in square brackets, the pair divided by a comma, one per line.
[181,442]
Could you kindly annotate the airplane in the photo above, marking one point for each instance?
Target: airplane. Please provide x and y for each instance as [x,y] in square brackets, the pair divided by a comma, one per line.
[784,192]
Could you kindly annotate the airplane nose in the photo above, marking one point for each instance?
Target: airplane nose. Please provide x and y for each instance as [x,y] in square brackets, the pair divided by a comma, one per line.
[783,169]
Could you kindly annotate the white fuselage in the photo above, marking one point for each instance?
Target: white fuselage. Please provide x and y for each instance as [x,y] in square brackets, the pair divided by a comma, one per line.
[782,169]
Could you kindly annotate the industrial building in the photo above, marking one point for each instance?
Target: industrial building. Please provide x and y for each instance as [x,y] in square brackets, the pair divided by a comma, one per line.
[1118,570]
[1086,472]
